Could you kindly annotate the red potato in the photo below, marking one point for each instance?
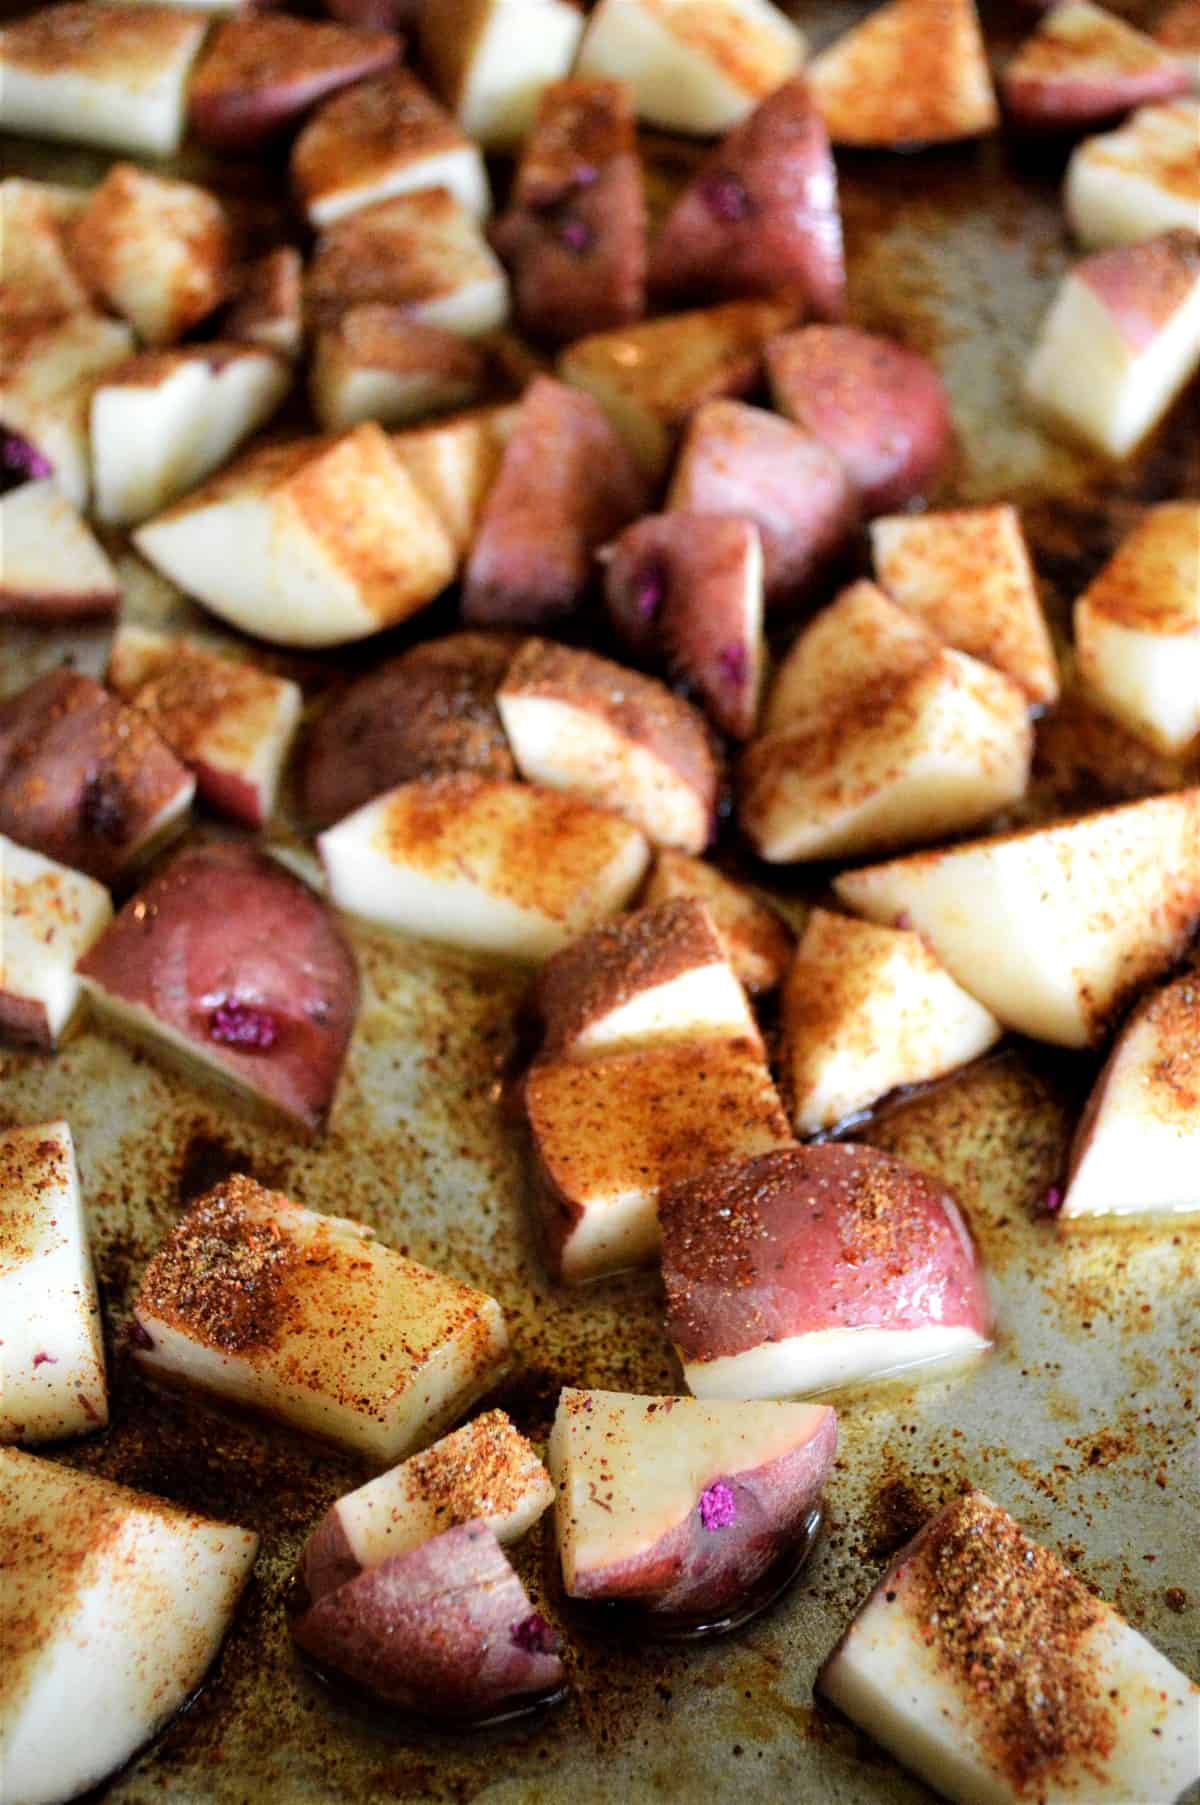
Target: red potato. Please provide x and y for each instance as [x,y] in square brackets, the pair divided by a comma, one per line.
[52,568]
[757,941]
[433,709]
[690,586]
[377,363]
[84,779]
[681,1506]
[737,459]
[566,484]
[881,408]
[761,215]
[261,72]
[574,238]
[1082,66]
[913,72]
[445,1632]
[813,1267]
[267,307]
[230,963]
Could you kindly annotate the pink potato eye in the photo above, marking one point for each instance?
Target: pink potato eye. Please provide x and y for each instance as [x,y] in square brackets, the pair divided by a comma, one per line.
[22,458]
[725,196]
[244,1025]
[718,1506]
[534,1635]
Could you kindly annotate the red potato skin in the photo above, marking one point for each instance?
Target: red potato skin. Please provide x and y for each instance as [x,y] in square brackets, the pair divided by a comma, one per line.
[432,1631]
[82,776]
[54,610]
[883,409]
[431,710]
[1142,285]
[833,1236]
[761,215]
[692,1571]
[224,924]
[1067,98]
[743,460]
[263,71]
[566,484]
[23,1023]
[574,238]
[375,15]
[327,1561]
[673,585]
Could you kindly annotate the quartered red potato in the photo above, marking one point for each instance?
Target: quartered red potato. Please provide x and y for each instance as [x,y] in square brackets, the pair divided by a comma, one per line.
[599,901]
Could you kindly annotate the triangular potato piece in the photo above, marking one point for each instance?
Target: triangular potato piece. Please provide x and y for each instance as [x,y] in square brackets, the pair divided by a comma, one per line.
[914,72]
[1138,1145]
[757,941]
[1053,928]
[51,566]
[454,463]
[680,1505]
[1083,65]
[1142,179]
[864,1010]
[261,71]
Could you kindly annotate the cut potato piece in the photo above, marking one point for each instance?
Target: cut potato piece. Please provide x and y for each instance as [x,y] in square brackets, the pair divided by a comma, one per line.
[1178,29]
[679,1505]
[334,541]
[500,867]
[756,940]
[913,72]
[600,1170]
[1138,1146]
[565,485]
[1055,928]
[54,1382]
[48,369]
[229,723]
[1120,342]
[692,69]
[37,277]
[110,75]
[158,252]
[864,1010]
[165,420]
[879,735]
[649,378]
[816,1267]
[1137,629]
[111,1598]
[260,72]
[968,575]
[454,463]
[491,59]
[51,567]
[423,252]
[582,724]
[486,1471]
[647,979]
[1133,183]
[311,1320]
[267,307]
[1083,65]
[1077,1704]
[49,917]
[381,138]
[378,363]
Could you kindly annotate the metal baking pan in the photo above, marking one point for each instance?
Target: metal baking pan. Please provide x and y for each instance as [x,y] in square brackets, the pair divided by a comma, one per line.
[1081,1421]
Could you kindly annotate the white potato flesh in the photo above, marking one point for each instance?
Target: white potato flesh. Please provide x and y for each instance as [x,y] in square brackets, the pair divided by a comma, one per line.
[866,1009]
[1138,1149]
[50,369]
[36,275]
[627,1470]
[163,423]
[112,75]
[691,69]
[1051,927]
[499,867]
[460,172]
[114,1601]
[491,60]
[898,1673]
[1137,629]
[49,559]
[1091,379]
[913,72]
[967,574]
[353,1343]
[755,939]
[706,1000]
[314,567]
[453,464]
[52,1357]
[847,650]
[441,268]
[157,251]
[50,916]
[1144,178]
[826,1359]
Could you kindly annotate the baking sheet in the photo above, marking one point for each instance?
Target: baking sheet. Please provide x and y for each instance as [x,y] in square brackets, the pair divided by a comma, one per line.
[1082,1421]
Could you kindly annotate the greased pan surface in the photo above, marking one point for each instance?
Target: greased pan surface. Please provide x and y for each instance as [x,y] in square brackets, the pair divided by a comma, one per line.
[1082,1421]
